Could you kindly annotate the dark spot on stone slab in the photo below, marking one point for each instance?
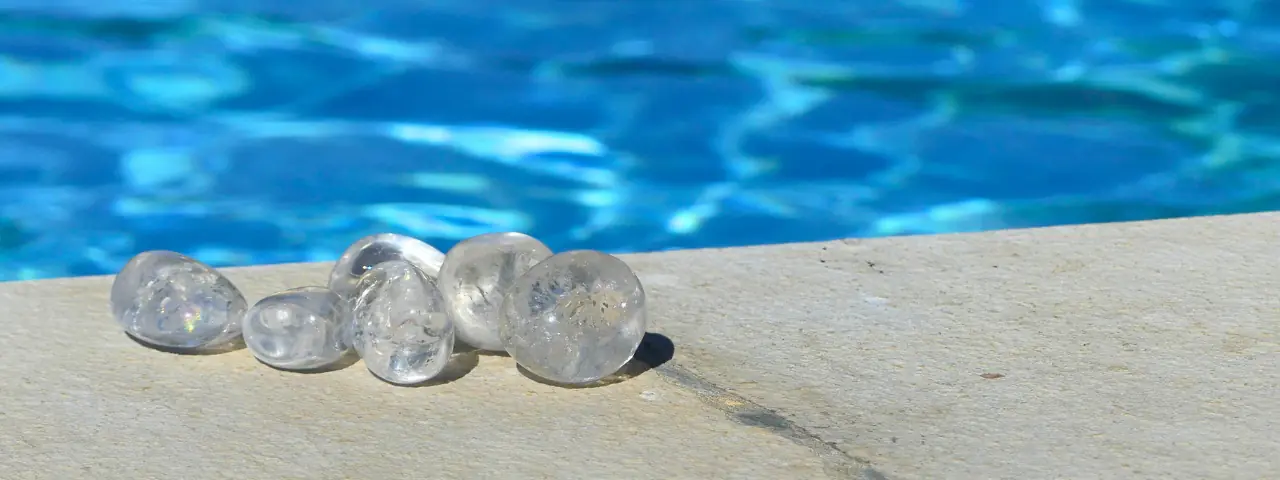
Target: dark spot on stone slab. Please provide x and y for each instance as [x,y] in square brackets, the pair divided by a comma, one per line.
[992,376]
[764,419]
[838,463]
[872,474]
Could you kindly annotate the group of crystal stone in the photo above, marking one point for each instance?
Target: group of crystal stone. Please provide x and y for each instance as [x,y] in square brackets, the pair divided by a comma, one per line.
[399,303]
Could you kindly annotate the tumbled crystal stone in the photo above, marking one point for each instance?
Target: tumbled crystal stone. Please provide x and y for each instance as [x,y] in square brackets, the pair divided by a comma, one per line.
[475,276]
[399,323]
[169,300]
[574,318]
[298,329]
[369,251]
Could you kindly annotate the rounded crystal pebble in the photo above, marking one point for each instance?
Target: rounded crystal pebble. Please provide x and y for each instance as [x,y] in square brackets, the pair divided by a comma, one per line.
[298,329]
[575,318]
[475,276]
[399,323]
[172,301]
[374,249]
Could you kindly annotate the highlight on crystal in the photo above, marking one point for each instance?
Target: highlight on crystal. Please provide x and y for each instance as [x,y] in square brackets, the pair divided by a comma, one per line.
[400,305]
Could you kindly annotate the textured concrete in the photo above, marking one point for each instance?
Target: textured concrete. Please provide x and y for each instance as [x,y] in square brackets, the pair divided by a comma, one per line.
[1145,350]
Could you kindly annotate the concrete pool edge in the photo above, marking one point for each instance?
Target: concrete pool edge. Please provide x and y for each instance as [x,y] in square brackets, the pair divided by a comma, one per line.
[1143,349]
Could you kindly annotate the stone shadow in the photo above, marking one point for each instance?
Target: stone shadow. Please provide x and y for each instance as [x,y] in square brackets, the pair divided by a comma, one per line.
[655,350]
[348,359]
[461,347]
[460,364]
[234,345]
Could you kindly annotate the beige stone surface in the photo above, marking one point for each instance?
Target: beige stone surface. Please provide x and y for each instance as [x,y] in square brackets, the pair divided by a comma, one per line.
[1142,350]
[1145,350]
[79,400]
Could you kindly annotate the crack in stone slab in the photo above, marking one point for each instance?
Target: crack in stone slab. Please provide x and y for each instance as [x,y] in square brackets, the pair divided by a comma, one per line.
[837,462]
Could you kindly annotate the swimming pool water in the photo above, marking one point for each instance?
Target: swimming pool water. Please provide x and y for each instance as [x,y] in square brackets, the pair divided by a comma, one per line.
[246,132]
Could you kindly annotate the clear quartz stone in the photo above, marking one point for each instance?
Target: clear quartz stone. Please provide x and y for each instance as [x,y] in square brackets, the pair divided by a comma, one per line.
[399,323]
[575,318]
[475,276]
[169,300]
[298,329]
[369,251]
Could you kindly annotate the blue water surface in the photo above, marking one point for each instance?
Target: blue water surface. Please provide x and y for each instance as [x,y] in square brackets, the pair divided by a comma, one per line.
[245,132]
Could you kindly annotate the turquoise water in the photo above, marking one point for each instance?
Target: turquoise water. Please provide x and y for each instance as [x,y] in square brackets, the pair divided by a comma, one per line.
[247,132]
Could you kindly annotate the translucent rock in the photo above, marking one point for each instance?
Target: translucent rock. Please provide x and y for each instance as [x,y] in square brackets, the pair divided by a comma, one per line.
[399,323]
[172,301]
[575,318]
[475,276]
[374,249]
[297,329]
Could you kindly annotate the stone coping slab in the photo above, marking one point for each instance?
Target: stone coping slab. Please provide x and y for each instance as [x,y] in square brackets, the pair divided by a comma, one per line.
[1138,350]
